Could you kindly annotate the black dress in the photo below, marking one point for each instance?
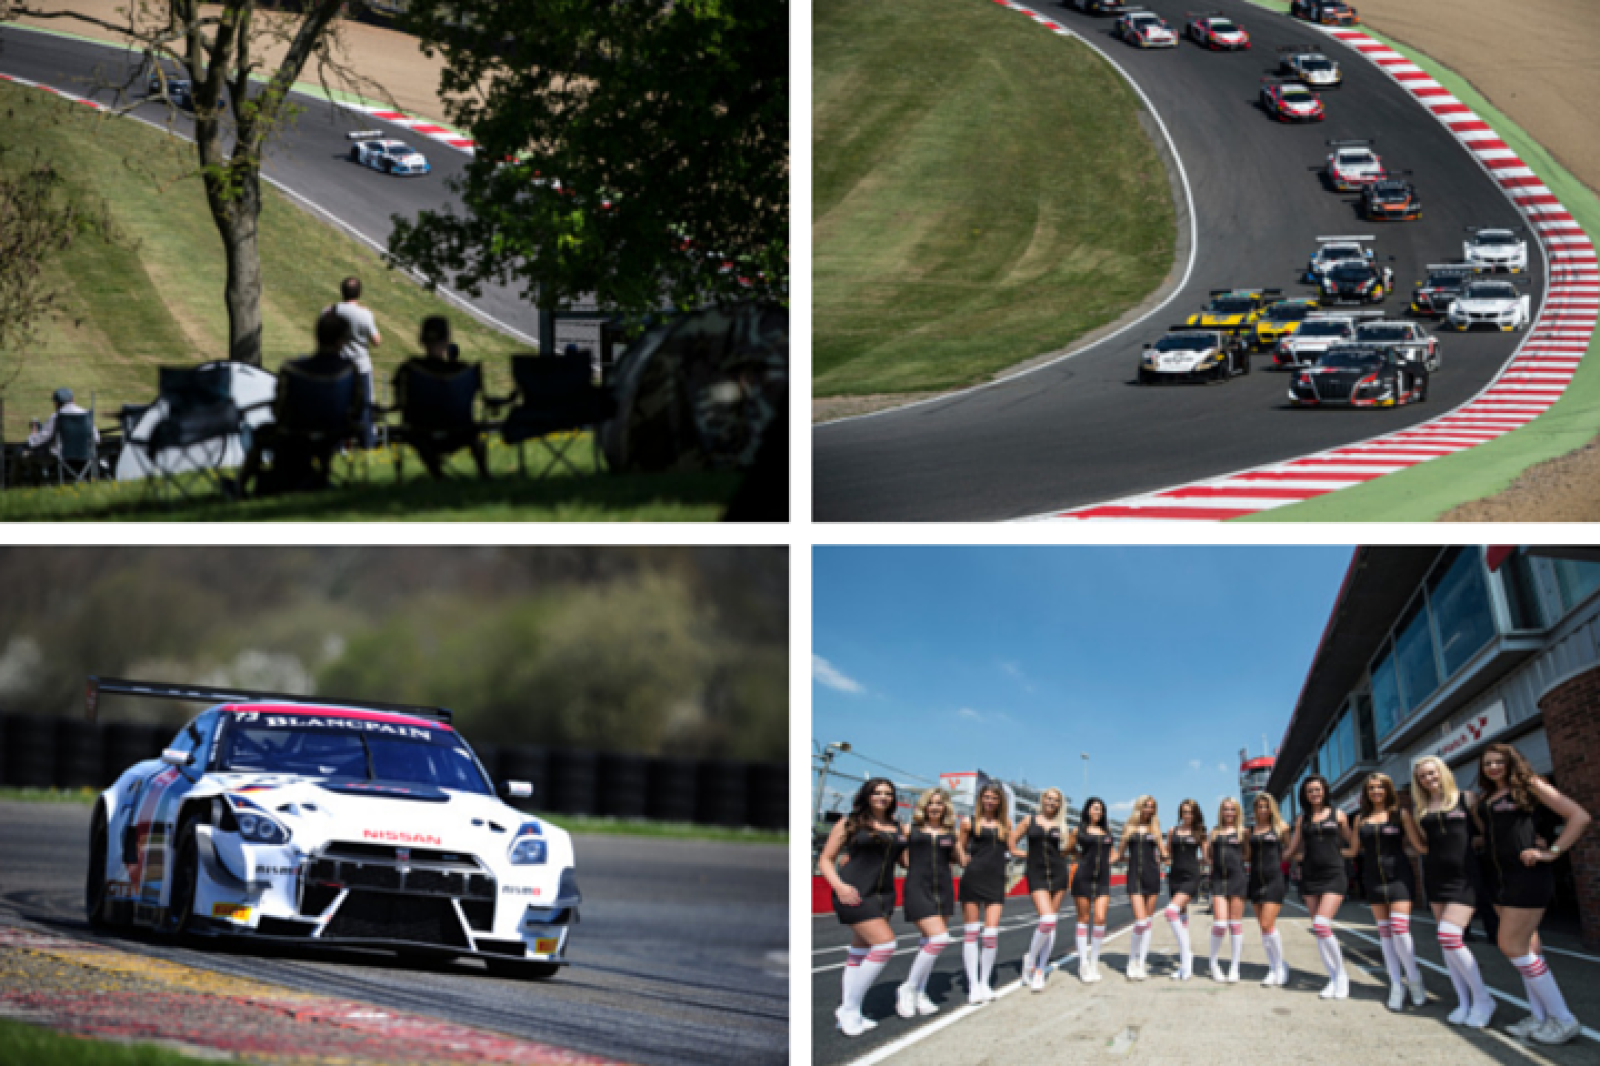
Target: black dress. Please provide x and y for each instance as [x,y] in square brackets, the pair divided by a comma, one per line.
[1047,866]
[1094,866]
[874,855]
[1508,831]
[1184,877]
[984,879]
[1322,868]
[930,890]
[1144,864]
[1227,867]
[1266,868]
[1385,871]
[1449,836]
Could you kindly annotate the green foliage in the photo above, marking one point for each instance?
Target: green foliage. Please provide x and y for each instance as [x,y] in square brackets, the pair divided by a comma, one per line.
[20,1042]
[650,141]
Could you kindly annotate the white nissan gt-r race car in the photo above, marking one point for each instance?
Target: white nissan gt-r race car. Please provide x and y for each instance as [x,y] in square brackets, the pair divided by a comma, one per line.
[371,149]
[336,823]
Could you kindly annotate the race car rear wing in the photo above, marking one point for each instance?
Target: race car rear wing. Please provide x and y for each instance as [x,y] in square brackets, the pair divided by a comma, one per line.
[1332,240]
[364,135]
[1324,316]
[116,686]
[1353,143]
[1480,229]
[1465,268]
[1210,329]
[1246,292]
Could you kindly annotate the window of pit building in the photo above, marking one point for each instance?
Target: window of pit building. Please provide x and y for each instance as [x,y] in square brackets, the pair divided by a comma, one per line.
[1459,596]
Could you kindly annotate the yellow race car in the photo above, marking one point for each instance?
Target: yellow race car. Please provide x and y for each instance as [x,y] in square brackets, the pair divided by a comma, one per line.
[1279,320]
[1234,308]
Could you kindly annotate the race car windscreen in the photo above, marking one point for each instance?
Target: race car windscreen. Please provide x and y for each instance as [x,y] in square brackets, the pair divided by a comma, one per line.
[1496,238]
[332,746]
[1358,271]
[1296,95]
[1230,305]
[1223,26]
[1325,328]
[1186,342]
[1489,290]
[1450,280]
[1335,253]
[1383,333]
[1351,360]
[1287,313]
[1316,65]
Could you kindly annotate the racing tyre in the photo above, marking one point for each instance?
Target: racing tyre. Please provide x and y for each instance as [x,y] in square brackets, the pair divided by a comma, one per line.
[185,882]
[522,971]
[96,903]
[1145,378]
[355,155]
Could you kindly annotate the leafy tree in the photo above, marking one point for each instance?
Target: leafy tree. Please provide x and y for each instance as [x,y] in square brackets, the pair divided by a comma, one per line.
[633,150]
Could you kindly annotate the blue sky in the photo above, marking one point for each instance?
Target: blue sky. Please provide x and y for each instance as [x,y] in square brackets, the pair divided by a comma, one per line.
[1159,662]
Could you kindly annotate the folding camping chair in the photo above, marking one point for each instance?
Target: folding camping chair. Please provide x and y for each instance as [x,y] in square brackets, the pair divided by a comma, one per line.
[198,417]
[315,415]
[78,457]
[438,414]
[557,396]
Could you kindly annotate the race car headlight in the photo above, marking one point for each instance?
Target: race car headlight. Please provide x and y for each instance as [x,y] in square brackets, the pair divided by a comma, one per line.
[259,829]
[528,847]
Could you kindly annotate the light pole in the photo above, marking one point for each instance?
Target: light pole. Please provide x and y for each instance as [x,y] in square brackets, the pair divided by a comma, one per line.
[1085,785]
[828,753]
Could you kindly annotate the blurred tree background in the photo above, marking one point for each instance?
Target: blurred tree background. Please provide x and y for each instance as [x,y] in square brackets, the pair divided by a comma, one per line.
[661,651]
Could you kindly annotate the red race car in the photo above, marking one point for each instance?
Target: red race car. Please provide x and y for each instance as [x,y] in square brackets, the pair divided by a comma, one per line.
[1289,101]
[1212,30]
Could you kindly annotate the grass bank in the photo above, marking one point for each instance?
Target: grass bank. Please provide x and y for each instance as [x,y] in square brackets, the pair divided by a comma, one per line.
[21,1043]
[963,219]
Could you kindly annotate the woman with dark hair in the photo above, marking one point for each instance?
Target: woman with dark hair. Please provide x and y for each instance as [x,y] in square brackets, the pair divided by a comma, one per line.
[1523,882]
[863,894]
[1225,852]
[1379,836]
[983,886]
[1186,844]
[1091,886]
[1045,833]
[1444,813]
[1321,835]
[930,898]
[1144,850]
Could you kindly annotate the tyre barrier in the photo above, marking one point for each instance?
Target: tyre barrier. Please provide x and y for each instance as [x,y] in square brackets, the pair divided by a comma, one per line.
[41,752]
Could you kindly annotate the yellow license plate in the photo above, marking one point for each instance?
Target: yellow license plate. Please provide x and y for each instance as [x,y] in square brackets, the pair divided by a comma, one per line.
[546,945]
[236,912]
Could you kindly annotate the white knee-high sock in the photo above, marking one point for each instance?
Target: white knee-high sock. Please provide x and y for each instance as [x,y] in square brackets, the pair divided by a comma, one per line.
[991,947]
[1098,938]
[932,947]
[969,952]
[867,971]
[1471,990]
[852,970]
[1328,946]
[1404,949]
[1049,927]
[1218,931]
[1390,960]
[1083,941]
[1272,943]
[1541,983]
[1235,944]
[1180,933]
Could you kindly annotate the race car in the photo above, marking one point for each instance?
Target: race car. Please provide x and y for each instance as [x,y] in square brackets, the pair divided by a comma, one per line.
[1145,29]
[1280,320]
[1190,354]
[179,89]
[1217,33]
[1356,282]
[1434,296]
[1352,164]
[1319,332]
[1409,338]
[1331,251]
[1496,249]
[1231,308]
[1390,200]
[1489,303]
[1359,376]
[392,157]
[335,822]
[1310,67]
[1100,7]
[1325,12]
[1289,101]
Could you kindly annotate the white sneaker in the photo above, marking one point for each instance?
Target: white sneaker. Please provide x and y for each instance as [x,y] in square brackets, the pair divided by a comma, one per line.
[1233,975]
[1344,986]
[849,1021]
[1094,970]
[988,994]
[1027,975]
[1283,976]
[1459,1015]
[1217,974]
[1419,991]
[1479,1017]
[1332,991]
[1397,995]
[1557,1032]
[1084,971]
[925,1005]
[1525,1026]
[1271,980]
[1037,984]
[905,1001]
[867,1023]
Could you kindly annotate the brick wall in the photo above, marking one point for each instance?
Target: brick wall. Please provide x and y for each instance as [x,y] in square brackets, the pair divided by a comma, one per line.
[1572,723]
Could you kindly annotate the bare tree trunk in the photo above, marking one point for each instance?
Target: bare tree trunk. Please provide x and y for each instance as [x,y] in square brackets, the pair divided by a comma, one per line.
[238,220]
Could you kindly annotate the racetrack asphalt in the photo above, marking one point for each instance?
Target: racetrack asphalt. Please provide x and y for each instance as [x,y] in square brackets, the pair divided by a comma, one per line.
[680,957]
[1081,431]
[310,157]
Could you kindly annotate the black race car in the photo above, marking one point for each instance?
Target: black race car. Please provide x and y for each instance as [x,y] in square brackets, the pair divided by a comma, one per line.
[1356,281]
[1434,296]
[1100,7]
[1390,200]
[1351,375]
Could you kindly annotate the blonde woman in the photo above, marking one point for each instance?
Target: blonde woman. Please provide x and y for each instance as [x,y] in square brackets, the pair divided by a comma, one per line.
[1266,887]
[1379,836]
[930,898]
[1445,815]
[1321,835]
[983,887]
[1186,845]
[1144,851]
[1225,853]
[1046,833]
[1091,884]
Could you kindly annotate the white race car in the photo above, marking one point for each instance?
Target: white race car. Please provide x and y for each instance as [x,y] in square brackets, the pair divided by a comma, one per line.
[328,823]
[1190,353]
[392,157]
[1331,251]
[1489,303]
[1145,29]
[1319,332]
[1352,165]
[1407,337]
[1311,67]
[1495,249]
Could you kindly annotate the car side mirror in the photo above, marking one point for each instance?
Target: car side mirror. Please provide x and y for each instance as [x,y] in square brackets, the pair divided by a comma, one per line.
[175,757]
[515,790]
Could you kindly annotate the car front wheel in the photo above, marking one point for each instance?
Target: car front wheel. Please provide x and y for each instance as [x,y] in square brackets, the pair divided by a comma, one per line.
[96,904]
[185,882]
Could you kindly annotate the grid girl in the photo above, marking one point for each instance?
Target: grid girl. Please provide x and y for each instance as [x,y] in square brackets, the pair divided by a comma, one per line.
[863,894]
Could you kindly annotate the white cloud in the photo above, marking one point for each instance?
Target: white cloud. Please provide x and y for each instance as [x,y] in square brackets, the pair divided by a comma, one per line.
[1194,764]
[1222,767]
[969,714]
[825,672]
[1014,671]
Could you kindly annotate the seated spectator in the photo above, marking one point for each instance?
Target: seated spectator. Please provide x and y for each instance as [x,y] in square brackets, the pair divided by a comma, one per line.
[47,434]
[440,357]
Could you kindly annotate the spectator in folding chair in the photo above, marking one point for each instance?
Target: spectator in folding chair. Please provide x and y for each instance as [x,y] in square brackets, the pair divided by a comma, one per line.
[69,437]
[435,395]
[556,394]
[320,402]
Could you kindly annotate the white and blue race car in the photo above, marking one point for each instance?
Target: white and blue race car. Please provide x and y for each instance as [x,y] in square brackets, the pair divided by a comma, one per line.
[372,149]
[336,823]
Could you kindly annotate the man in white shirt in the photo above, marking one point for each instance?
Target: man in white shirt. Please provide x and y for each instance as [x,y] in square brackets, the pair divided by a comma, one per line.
[364,335]
[64,406]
